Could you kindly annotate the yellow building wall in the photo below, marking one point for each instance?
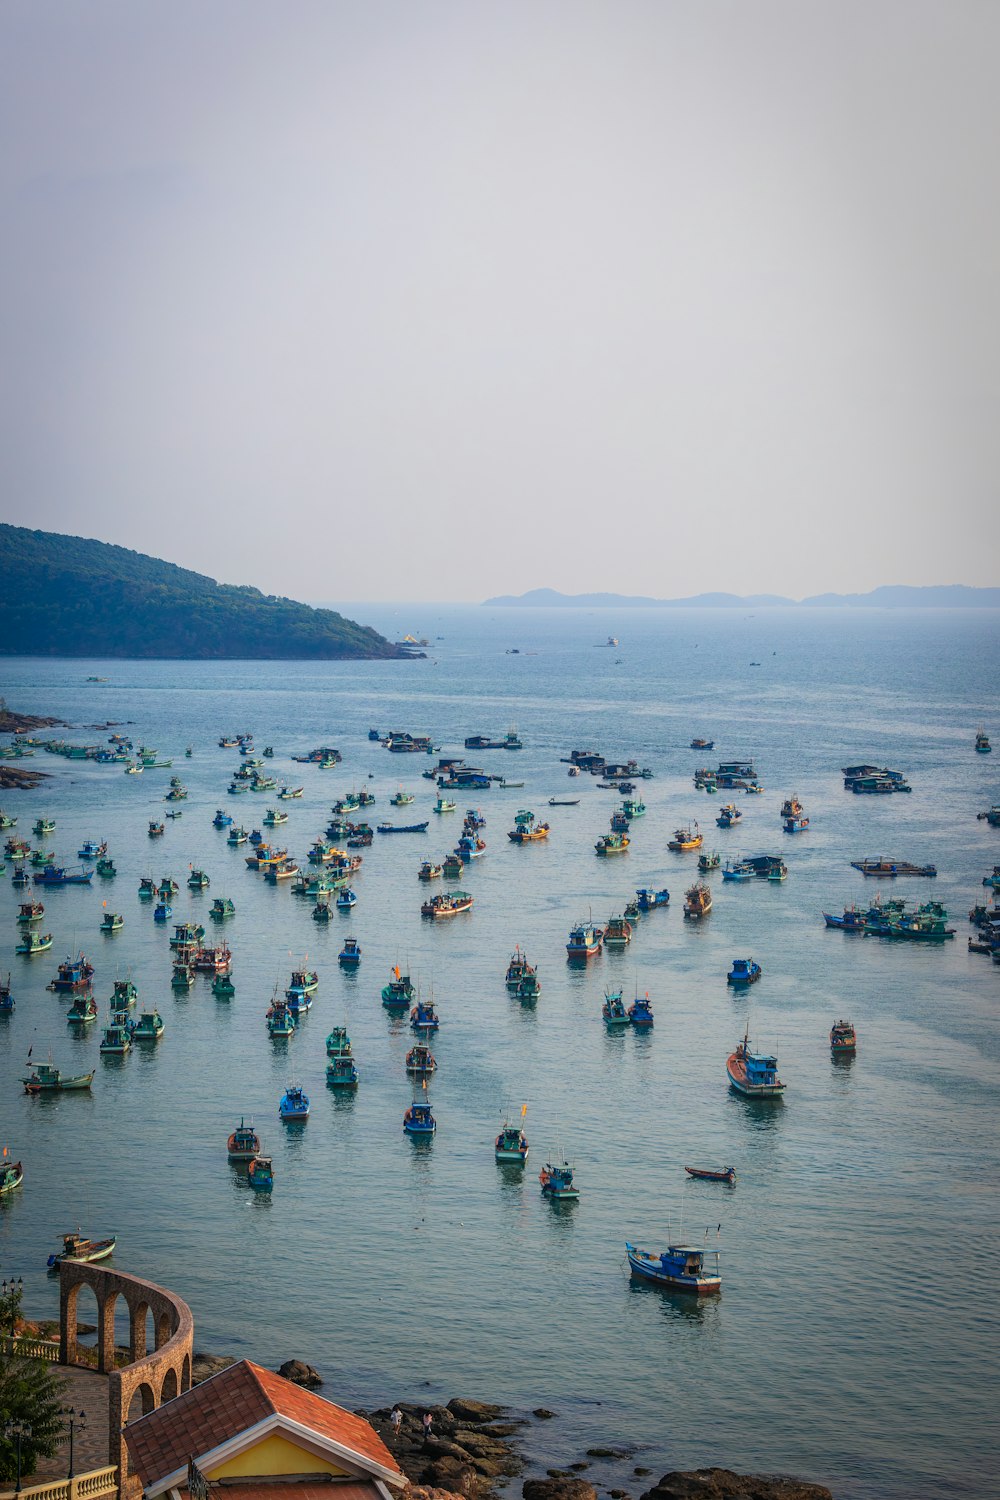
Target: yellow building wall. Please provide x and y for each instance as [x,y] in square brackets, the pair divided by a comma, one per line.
[274,1454]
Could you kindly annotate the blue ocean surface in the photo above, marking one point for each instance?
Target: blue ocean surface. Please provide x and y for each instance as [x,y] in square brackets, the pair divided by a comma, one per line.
[854,1341]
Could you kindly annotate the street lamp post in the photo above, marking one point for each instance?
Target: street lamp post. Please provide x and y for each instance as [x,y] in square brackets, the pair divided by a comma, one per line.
[12,1290]
[17,1430]
[76,1419]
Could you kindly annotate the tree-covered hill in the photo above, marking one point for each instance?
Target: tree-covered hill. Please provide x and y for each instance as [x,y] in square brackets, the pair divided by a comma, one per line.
[69,596]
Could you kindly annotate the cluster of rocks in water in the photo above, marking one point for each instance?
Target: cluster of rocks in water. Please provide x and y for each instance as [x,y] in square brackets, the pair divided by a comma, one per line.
[471,1452]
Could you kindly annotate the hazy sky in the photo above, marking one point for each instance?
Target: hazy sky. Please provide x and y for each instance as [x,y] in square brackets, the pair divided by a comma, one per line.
[430,300]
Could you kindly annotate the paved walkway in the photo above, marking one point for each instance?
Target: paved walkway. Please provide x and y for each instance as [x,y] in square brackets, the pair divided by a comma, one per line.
[84,1390]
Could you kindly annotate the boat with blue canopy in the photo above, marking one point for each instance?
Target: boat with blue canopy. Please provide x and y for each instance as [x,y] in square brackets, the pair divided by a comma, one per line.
[418,1120]
[294,1104]
[681,1267]
[745,971]
[754,1074]
[557,1182]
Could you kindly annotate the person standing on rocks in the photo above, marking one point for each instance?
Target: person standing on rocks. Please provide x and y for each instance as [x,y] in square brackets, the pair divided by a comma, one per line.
[428,1422]
[396,1418]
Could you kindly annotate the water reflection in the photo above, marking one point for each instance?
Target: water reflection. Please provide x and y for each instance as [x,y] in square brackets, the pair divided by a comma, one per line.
[676,1306]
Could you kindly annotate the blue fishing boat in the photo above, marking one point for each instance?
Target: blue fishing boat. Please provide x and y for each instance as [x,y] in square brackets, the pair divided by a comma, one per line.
[423,1017]
[222,819]
[740,870]
[57,875]
[418,1120]
[681,1267]
[72,975]
[640,1012]
[852,920]
[420,1061]
[237,836]
[147,888]
[754,1074]
[303,982]
[294,1104]
[728,815]
[162,912]
[613,1010]
[584,941]
[6,998]
[796,825]
[557,1182]
[91,849]
[745,971]
[346,899]
[280,1021]
[646,900]
[350,954]
[244,1142]
[20,878]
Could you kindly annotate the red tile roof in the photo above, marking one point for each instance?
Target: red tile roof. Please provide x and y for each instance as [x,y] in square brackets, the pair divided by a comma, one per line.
[229,1403]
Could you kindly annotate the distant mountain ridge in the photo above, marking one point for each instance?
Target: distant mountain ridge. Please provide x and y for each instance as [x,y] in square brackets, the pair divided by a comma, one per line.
[889,596]
[71,596]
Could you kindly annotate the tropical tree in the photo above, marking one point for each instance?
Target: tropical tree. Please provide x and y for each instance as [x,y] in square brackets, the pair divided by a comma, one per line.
[31,1399]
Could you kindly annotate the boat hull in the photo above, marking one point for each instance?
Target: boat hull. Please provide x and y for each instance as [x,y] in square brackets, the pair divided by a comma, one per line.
[650,1269]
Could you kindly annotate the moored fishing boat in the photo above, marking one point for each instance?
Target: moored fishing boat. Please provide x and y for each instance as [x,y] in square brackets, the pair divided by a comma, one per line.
[453,867]
[156,829]
[618,932]
[516,969]
[646,899]
[511,1145]
[280,1020]
[852,920]
[162,912]
[613,1010]
[73,974]
[222,819]
[428,871]
[584,940]
[633,807]
[881,867]
[44,1078]
[222,907]
[57,875]
[244,1142]
[282,869]
[302,982]
[983,745]
[557,1182]
[423,1017]
[338,1043]
[294,1104]
[398,994]
[685,839]
[442,805]
[30,913]
[149,1027]
[223,987]
[681,1267]
[112,921]
[843,1039]
[728,815]
[745,971]
[350,954]
[754,1074]
[289,793]
[346,898]
[341,1072]
[274,817]
[82,1011]
[260,1174]
[42,826]
[79,1250]
[147,888]
[529,988]
[640,1012]
[30,943]
[697,901]
[446,904]
[796,825]
[116,1039]
[11,1173]
[612,843]
[713,1174]
[420,1061]
[322,911]
[237,836]
[105,868]
[418,1119]
[526,828]
[182,975]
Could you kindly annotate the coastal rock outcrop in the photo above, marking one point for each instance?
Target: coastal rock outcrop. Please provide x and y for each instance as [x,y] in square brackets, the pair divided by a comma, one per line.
[467,1449]
[301,1373]
[203,1365]
[723,1484]
[558,1489]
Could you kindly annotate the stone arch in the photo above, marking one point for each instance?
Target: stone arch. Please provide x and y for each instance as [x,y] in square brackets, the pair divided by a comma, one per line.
[81,1306]
[150,1376]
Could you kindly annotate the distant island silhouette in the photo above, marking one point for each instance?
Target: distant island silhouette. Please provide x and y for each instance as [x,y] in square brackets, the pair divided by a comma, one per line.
[889,596]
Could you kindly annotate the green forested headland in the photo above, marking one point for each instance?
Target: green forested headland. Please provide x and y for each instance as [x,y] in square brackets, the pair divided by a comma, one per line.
[69,596]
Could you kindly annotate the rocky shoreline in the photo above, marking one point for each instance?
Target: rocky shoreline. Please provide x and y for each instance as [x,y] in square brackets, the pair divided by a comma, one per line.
[472,1452]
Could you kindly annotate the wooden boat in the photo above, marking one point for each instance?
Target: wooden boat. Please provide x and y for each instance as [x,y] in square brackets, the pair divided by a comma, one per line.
[7,1004]
[282,869]
[402,799]
[612,843]
[156,829]
[222,908]
[162,912]
[223,987]
[529,988]
[56,875]
[30,913]
[420,1061]
[346,899]
[685,839]
[222,819]
[76,1249]
[613,1010]
[341,1072]
[791,808]
[244,1142]
[293,1105]
[31,943]
[526,828]
[182,975]
[711,1174]
[322,912]
[338,1043]
[883,868]
[843,1039]
[116,1039]
[511,1145]
[112,921]
[697,901]
[20,878]
[149,1027]
[147,888]
[728,815]
[584,940]
[745,971]
[983,745]
[274,817]
[453,867]
[564,802]
[516,969]
[302,982]
[288,793]
[11,1173]
[418,1120]
[557,1182]
[41,826]
[646,900]
[681,1267]
[617,933]
[106,868]
[795,825]
[423,1017]
[260,1174]
[709,862]
[446,904]
[640,1012]
[82,1011]
[44,1078]
[398,994]
[699,744]
[350,955]
[428,871]
[442,805]
[213,960]
[73,974]
[754,1074]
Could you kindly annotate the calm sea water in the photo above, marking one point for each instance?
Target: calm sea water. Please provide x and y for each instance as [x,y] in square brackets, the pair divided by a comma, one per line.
[855,1338]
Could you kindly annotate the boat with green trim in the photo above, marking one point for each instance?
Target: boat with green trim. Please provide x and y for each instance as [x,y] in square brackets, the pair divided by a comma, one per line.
[398,994]
[82,1011]
[112,921]
[511,1146]
[30,943]
[44,1078]
[149,1027]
